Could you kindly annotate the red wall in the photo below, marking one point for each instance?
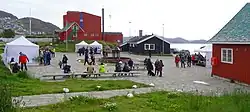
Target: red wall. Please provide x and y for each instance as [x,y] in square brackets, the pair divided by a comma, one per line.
[91,27]
[239,70]
[113,38]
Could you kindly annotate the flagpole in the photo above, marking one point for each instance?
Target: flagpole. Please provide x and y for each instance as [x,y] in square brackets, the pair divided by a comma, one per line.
[66,40]
[66,36]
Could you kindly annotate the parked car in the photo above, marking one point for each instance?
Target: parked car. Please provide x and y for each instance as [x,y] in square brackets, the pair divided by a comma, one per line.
[174,51]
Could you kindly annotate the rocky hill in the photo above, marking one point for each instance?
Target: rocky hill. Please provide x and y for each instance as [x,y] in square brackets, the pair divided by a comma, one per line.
[38,25]
[4,14]
[21,26]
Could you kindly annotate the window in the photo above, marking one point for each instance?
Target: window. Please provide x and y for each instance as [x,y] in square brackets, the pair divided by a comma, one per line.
[132,45]
[96,34]
[92,35]
[85,34]
[149,46]
[227,55]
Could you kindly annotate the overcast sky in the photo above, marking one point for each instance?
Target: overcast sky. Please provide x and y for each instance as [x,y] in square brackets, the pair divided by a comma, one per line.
[189,19]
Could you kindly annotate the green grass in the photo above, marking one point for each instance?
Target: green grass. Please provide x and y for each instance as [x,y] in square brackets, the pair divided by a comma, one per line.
[23,85]
[35,87]
[154,102]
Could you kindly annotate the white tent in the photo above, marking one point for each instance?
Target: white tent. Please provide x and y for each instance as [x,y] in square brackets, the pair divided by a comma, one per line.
[97,45]
[80,45]
[207,50]
[21,44]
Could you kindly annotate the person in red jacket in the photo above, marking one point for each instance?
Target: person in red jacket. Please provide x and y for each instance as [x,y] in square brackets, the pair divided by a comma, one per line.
[23,59]
[177,60]
[193,59]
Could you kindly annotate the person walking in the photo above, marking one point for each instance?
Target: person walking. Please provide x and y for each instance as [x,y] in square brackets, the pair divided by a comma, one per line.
[177,60]
[64,60]
[86,59]
[157,67]
[183,61]
[189,60]
[150,67]
[160,66]
[92,59]
[23,59]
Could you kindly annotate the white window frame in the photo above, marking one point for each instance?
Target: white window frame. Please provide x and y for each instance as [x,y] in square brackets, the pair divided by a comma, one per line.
[132,45]
[149,46]
[96,34]
[92,35]
[227,49]
[85,34]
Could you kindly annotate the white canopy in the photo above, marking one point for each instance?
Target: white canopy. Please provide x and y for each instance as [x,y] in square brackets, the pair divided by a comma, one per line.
[80,45]
[205,49]
[21,44]
[97,45]
[208,53]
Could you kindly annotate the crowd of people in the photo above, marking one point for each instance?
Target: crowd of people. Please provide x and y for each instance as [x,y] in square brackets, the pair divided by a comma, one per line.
[187,59]
[45,55]
[88,52]
[158,67]
[23,60]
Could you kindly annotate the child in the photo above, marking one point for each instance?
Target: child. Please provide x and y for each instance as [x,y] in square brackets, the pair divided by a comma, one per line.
[60,64]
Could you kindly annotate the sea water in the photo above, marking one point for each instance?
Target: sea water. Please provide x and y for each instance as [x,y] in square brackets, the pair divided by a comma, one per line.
[190,47]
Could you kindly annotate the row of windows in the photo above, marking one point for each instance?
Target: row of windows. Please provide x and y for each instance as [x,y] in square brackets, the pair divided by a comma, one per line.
[146,46]
[91,34]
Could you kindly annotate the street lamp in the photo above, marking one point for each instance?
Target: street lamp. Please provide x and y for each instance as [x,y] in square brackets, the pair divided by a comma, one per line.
[162,39]
[129,36]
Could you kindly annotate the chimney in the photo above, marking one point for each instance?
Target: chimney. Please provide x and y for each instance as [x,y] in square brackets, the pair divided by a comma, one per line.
[140,33]
[102,23]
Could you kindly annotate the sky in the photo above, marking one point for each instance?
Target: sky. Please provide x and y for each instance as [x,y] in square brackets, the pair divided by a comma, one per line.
[189,19]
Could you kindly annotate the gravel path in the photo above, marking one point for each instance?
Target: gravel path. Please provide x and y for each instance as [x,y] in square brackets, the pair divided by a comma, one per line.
[173,79]
[45,99]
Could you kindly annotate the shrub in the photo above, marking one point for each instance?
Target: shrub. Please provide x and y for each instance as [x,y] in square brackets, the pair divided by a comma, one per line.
[6,104]
[110,106]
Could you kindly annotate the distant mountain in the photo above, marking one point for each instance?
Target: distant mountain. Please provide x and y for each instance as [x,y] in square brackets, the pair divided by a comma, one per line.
[4,14]
[38,25]
[21,26]
[176,40]
[181,40]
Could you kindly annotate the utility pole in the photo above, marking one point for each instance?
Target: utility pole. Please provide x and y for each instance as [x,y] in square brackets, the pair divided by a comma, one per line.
[163,39]
[30,21]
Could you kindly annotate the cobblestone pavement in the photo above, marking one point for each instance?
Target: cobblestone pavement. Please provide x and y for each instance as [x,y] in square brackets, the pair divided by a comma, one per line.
[173,79]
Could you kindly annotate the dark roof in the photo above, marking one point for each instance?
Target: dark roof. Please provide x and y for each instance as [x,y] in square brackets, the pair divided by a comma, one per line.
[237,29]
[137,38]
[112,33]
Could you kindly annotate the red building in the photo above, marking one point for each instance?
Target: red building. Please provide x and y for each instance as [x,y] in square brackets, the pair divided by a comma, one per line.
[231,48]
[86,27]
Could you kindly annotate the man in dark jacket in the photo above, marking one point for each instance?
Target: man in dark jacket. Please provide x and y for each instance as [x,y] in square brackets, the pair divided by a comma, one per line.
[64,60]
[150,67]
[130,64]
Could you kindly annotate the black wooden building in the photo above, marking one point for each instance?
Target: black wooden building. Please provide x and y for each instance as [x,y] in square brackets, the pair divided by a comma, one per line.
[142,45]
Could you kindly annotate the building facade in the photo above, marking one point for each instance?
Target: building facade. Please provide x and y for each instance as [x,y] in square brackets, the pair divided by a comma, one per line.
[90,24]
[144,44]
[231,48]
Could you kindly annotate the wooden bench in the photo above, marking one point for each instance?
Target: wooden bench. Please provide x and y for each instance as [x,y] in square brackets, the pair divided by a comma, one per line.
[58,75]
[83,75]
[114,74]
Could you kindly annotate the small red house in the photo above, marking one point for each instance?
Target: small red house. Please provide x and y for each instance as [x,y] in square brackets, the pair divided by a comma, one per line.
[90,26]
[231,48]
[71,31]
